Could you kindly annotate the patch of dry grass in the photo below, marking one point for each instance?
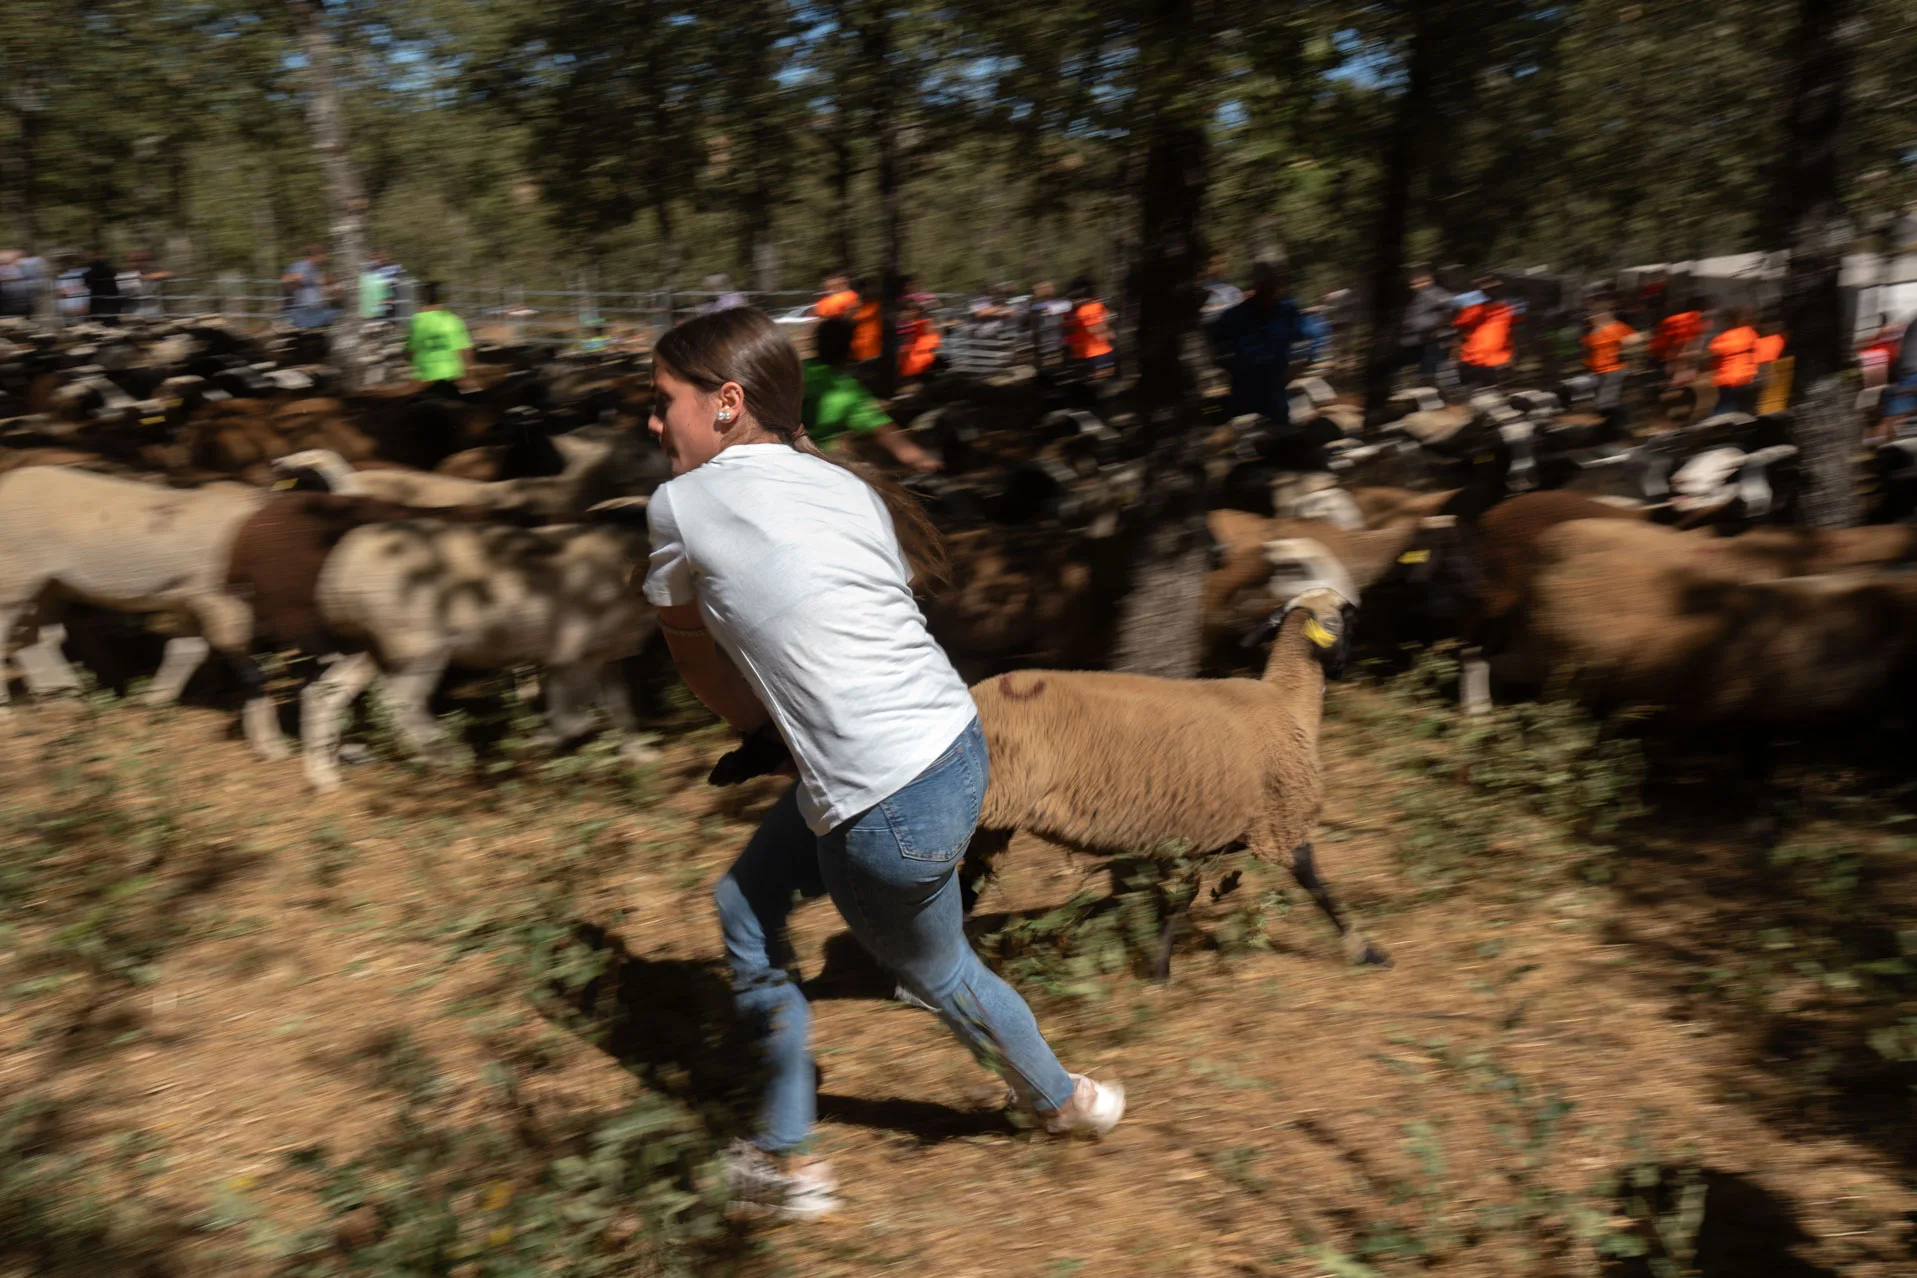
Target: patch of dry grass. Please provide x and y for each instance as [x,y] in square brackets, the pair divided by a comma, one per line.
[478,1025]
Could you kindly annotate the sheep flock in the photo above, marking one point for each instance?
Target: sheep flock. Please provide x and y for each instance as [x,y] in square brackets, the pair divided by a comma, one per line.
[186,484]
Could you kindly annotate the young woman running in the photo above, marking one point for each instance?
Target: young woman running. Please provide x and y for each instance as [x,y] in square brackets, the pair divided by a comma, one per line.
[782,582]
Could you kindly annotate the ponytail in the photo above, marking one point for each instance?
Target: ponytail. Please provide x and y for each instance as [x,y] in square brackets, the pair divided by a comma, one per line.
[919,538]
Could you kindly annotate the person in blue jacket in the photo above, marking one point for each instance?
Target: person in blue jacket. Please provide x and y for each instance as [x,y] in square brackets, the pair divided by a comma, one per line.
[1253,342]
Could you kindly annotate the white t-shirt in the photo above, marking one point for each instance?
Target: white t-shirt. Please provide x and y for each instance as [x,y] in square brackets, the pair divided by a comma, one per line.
[799,576]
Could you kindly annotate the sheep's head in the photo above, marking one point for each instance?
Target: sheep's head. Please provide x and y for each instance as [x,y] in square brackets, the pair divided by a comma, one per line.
[1308,576]
[1328,626]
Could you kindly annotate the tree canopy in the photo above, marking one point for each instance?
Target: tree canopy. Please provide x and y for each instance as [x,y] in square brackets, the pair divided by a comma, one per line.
[654,141]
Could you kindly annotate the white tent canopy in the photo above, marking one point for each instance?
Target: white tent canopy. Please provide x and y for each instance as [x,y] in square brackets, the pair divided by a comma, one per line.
[1873,284]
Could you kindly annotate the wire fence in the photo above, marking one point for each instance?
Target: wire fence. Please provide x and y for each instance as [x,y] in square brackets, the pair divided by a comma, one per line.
[517,314]
[511,312]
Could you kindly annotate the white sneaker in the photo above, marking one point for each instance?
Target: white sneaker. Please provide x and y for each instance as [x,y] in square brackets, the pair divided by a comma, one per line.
[757,1185]
[1093,1110]
[902,995]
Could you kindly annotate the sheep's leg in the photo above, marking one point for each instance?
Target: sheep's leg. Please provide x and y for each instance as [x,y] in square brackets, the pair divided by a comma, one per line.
[182,657]
[44,666]
[567,715]
[22,612]
[322,704]
[1474,682]
[43,663]
[617,699]
[407,691]
[1161,965]
[8,616]
[227,625]
[258,716]
[1305,870]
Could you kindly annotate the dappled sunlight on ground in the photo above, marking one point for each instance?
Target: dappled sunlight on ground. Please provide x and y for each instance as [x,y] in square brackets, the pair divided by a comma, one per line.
[446,1024]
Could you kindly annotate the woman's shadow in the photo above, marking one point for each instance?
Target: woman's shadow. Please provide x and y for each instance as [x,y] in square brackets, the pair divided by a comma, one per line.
[670,1021]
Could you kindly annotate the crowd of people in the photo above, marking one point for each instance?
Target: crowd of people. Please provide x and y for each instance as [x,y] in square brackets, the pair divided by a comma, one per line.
[1258,335]
[1071,334]
[1692,344]
[75,286]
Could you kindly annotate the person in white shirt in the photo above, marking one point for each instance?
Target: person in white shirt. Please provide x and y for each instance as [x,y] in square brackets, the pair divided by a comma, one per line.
[782,580]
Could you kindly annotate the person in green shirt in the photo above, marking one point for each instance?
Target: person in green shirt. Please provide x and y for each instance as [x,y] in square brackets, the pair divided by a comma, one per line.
[837,404]
[437,340]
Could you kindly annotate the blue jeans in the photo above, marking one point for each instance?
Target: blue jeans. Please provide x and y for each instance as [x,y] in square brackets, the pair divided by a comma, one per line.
[892,871]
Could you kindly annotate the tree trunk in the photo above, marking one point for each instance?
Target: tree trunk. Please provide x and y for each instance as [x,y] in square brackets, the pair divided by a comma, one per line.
[883,108]
[841,144]
[1159,621]
[27,107]
[1807,212]
[1409,128]
[345,206]
[890,249]
[668,255]
[765,249]
[1166,275]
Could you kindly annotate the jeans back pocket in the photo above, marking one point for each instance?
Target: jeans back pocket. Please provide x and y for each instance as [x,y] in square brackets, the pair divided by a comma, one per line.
[932,816]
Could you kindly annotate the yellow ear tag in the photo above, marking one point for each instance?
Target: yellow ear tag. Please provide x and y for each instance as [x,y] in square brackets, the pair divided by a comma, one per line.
[283,484]
[1415,557]
[1318,634]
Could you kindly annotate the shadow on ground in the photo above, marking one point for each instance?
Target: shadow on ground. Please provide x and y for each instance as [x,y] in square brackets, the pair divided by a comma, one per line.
[1745,1229]
[1795,942]
[671,1022]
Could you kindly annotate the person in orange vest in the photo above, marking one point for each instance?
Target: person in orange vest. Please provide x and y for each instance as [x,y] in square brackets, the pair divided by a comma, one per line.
[1088,332]
[867,334]
[1677,335]
[1606,339]
[839,297]
[918,341]
[1734,364]
[1484,353]
[1773,369]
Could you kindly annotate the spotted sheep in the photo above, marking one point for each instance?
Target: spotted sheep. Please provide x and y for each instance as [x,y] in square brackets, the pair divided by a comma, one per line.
[403,598]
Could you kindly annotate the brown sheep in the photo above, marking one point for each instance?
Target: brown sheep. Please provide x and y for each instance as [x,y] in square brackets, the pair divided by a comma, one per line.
[1636,614]
[1109,763]
[1507,536]
[1804,552]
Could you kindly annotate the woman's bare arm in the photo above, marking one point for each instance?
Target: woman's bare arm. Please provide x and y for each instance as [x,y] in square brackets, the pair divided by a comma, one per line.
[708,671]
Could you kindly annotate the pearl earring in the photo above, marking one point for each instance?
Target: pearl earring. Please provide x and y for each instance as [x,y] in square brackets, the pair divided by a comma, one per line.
[724,414]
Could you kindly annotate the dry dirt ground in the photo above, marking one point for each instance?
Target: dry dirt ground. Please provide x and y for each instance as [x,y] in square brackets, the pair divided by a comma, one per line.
[476,1024]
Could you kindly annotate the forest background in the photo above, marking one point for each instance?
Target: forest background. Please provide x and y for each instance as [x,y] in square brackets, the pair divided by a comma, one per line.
[647,143]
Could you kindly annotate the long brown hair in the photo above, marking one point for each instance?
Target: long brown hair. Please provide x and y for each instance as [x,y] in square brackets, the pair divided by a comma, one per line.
[743,345]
